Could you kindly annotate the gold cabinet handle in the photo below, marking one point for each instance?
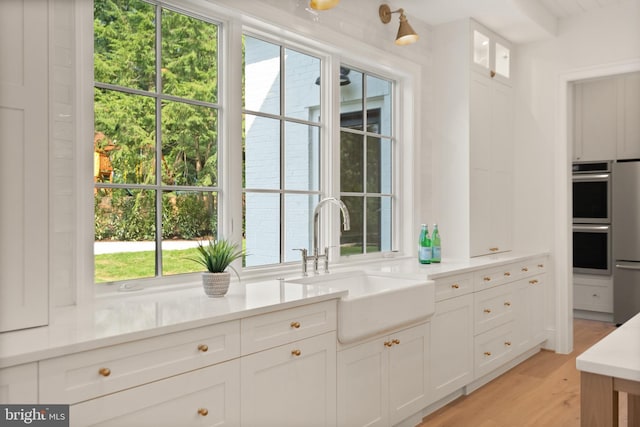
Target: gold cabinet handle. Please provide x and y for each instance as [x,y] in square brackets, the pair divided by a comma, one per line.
[395,341]
[203,411]
[388,343]
[486,279]
[492,73]
[487,353]
[105,372]
[494,249]
[507,304]
[540,265]
[295,325]
[203,348]
[533,282]
[507,343]
[486,310]
[507,274]
[525,269]
[455,286]
[296,352]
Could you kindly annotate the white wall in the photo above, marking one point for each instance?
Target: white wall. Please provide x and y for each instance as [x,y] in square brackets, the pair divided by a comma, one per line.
[596,43]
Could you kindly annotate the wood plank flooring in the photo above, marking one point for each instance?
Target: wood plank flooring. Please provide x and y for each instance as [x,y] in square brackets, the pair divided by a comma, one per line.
[543,391]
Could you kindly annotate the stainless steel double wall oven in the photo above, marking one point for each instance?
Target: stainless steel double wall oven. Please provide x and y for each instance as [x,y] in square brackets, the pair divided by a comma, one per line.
[592,218]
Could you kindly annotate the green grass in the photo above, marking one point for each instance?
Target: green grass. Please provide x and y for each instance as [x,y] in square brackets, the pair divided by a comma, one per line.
[136,265]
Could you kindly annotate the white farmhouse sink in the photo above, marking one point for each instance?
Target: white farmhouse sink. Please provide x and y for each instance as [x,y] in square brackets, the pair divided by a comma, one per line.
[376,302]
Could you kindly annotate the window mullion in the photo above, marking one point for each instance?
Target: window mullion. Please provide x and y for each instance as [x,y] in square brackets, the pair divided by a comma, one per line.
[158,141]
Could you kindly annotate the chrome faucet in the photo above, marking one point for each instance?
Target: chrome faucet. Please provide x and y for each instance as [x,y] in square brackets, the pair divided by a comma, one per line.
[346,225]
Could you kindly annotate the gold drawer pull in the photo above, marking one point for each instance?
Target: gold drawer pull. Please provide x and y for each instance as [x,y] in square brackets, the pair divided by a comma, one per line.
[388,343]
[203,348]
[494,249]
[507,304]
[105,372]
[295,325]
[296,352]
[396,341]
[507,343]
[487,279]
[525,269]
[487,353]
[455,286]
[540,265]
[486,310]
[507,274]
[533,282]
[203,411]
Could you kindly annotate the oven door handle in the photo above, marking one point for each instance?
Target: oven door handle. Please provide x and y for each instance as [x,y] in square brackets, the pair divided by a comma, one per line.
[592,228]
[591,177]
[627,267]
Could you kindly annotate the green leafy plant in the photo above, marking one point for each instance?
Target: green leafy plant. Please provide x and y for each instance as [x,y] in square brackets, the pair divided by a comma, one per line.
[216,256]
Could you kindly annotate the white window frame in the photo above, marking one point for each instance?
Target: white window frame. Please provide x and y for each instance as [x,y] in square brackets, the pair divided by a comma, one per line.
[233,24]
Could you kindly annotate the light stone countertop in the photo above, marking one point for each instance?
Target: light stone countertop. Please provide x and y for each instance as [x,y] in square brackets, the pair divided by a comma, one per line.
[128,317]
[616,355]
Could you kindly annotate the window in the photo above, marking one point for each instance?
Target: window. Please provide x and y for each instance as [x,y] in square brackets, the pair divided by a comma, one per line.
[158,120]
[281,147]
[366,161]
[155,142]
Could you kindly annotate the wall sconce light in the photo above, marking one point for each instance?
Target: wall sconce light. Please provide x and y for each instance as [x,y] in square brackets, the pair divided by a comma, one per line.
[406,35]
[323,4]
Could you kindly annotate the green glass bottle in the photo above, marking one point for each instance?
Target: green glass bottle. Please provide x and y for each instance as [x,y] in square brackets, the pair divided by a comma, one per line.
[436,254]
[424,246]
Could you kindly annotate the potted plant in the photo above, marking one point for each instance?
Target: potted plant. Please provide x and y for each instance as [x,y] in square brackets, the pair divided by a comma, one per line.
[216,256]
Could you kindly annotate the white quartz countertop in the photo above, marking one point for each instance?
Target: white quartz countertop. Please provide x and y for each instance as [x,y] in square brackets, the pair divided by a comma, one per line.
[128,317]
[616,355]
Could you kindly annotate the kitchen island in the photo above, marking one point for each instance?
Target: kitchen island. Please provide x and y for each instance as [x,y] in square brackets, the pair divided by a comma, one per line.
[611,366]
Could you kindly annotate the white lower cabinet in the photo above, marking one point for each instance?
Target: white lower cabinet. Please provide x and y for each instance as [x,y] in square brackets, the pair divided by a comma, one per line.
[19,384]
[529,314]
[291,385]
[451,345]
[385,380]
[204,397]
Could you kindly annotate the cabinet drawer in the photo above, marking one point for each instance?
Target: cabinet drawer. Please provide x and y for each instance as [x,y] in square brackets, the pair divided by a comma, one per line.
[86,375]
[280,327]
[593,298]
[530,268]
[449,287]
[208,396]
[492,349]
[489,278]
[493,307]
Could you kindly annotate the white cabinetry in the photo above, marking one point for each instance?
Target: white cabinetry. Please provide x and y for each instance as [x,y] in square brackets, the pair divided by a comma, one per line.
[288,367]
[475,154]
[606,125]
[185,378]
[385,380]
[19,384]
[593,293]
[628,146]
[452,336]
[508,313]
[596,124]
[204,397]
[24,134]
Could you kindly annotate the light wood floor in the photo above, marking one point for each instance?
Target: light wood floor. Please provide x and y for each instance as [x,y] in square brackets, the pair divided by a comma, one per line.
[543,391]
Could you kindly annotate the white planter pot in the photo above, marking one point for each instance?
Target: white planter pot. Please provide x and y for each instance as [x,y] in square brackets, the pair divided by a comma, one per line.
[216,285]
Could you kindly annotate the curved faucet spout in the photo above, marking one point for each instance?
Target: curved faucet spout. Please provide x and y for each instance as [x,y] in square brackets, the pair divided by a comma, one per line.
[346,222]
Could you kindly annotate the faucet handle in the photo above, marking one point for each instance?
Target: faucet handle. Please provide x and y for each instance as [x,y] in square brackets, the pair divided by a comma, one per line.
[303,251]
